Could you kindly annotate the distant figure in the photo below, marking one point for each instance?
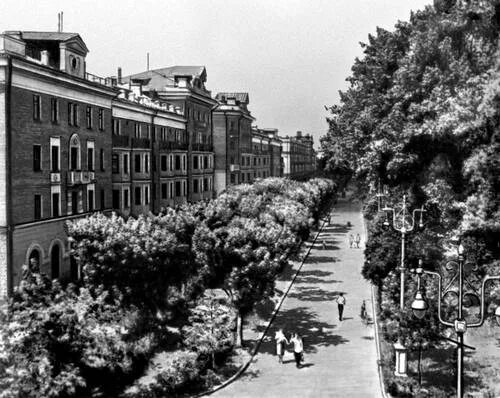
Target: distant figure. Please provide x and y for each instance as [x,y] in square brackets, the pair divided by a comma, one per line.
[358,240]
[298,348]
[341,304]
[324,244]
[351,240]
[364,315]
[280,344]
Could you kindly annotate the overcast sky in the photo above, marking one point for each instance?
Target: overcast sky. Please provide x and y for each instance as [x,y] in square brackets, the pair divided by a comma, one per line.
[291,56]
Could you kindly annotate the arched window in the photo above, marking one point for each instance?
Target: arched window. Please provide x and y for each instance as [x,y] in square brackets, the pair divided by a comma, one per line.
[55,261]
[34,260]
[74,153]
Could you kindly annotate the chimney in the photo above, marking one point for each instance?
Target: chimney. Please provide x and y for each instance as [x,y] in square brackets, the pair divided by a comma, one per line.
[299,134]
[119,74]
[59,22]
[62,27]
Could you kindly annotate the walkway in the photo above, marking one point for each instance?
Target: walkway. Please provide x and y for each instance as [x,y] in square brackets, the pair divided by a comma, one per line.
[340,357]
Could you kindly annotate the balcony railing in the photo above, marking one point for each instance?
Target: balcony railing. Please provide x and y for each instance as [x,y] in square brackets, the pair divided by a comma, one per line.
[105,81]
[141,143]
[169,145]
[55,177]
[234,167]
[203,147]
[80,177]
[121,141]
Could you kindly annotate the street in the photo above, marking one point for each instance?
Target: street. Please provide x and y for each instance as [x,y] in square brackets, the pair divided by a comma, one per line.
[340,357]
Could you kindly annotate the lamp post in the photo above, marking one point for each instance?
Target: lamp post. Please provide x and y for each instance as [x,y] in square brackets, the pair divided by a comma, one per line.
[455,286]
[403,221]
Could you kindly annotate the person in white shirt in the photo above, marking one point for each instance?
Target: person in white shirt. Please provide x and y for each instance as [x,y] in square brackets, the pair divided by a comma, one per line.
[340,304]
[298,348]
[280,344]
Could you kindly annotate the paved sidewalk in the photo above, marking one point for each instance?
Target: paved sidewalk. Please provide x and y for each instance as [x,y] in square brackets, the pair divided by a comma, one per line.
[340,357]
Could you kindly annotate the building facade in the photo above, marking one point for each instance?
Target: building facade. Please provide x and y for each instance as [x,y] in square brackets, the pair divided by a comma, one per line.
[299,156]
[55,150]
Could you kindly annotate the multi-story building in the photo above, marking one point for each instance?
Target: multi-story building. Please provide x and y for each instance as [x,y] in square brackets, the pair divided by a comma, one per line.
[232,126]
[55,149]
[150,150]
[184,87]
[299,156]
[275,149]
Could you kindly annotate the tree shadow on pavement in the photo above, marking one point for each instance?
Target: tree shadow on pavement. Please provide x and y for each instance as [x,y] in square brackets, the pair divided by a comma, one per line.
[314,294]
[315,332]
[315,277]
[337,229]
[322,259]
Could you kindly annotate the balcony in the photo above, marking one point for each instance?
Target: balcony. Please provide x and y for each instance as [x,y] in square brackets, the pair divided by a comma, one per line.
[120,141]
[234,167]
[55,177]
[80,177]
[203,147]
[141,143]
[169,145]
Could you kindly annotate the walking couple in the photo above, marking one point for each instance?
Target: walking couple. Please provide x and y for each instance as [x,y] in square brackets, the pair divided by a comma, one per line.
[298,347]
[354,240]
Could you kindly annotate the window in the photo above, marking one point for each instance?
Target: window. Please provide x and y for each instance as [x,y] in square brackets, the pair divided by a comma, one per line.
[146,195]
[101,159]
[54,158]
[90,197]
[125,198]
[146,163]
[90,159]
[103,199]
[72,114]
[74,153]
[164,191]
[195,186]
[232,178]
[231,161]
[137,162]
[148,132]
[116,127]
[195,162]
[171,160]
[115,165]
[205,162]
[88,116]
[137,130]
[205,184]
[38,207]
[37,107]
[37,157]
[54,110]
[177,162]
[163,162]
[55,204]
[137,196]
[74,202]
[178,189]
[184,162]
[116,198]
[125,163]
[101,119]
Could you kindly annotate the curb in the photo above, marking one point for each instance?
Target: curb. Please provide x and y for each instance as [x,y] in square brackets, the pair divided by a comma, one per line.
[375,324]
[245,366]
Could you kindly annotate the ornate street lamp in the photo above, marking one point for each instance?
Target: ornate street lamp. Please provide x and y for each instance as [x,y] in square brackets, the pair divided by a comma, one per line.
[455,286]
[404,222]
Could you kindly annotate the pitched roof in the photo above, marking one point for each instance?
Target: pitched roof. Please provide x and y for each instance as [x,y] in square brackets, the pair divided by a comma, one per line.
[240,97]
[158,78]
[56,36]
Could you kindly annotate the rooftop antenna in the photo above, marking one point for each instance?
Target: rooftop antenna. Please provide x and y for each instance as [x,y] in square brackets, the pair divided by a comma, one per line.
[147,63]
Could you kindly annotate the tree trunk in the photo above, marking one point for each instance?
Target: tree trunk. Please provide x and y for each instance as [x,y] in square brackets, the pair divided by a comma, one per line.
[419,365]
[239,330]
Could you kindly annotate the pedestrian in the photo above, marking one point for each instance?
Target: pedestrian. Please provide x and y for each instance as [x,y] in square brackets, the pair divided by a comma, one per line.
[358,240]
[324,244]
[341,304]
[351,240]
[280,344]
[298,349]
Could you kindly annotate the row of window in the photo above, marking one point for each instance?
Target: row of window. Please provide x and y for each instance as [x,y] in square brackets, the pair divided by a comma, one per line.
[247,177]
[74,160]
[141,163]
[142,130]
[246,160]
[73,113]
[74,202]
